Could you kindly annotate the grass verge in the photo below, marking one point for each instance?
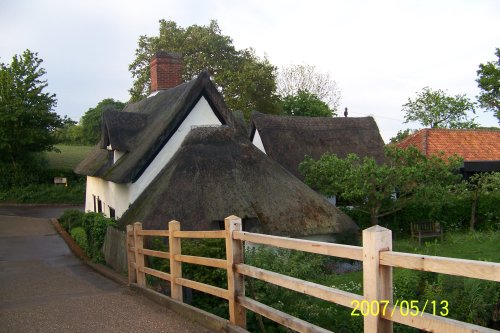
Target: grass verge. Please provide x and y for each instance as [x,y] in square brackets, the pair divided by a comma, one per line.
[68,158]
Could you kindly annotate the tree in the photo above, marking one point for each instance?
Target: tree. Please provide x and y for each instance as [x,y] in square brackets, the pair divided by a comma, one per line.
[295,78]
[91,120]
[402,134]
[306,104]
[488,80]
[70,132]
[435,109]
[371,186]
[478,185]
[247,82]
[27,122]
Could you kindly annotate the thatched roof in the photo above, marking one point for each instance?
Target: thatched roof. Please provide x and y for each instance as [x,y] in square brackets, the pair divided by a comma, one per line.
[216,173]
[119,129]
[158,117]
[288,139]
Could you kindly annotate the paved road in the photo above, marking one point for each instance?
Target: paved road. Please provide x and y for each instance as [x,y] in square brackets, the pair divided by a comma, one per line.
[49,211]
[44,288]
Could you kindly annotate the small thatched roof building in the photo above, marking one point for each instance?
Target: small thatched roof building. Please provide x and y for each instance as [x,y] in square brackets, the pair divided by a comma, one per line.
[217,172]
[288,139]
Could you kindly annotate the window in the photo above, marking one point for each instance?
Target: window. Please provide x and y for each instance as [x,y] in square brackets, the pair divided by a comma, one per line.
[99,205]
[94,204]
[111,212]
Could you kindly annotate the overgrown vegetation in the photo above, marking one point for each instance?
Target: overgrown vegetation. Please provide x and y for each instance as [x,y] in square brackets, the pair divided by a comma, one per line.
[33,182]
[88,230]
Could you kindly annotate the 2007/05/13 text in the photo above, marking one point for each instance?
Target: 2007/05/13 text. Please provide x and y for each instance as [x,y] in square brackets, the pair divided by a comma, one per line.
[406,308]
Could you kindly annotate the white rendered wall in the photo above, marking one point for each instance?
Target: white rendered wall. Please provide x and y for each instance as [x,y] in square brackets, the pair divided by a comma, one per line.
[120,196]
[257,141]
[110,194]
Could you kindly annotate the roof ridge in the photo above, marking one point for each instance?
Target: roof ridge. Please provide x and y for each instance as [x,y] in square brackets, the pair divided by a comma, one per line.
[463,129]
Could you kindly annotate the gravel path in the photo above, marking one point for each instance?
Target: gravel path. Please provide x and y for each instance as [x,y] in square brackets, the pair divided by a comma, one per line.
[44,288]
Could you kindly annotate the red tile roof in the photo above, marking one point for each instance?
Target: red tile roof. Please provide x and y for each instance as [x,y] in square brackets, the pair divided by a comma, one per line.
[472,145]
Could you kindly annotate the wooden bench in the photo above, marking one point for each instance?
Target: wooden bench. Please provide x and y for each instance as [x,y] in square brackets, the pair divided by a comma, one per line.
[425,230]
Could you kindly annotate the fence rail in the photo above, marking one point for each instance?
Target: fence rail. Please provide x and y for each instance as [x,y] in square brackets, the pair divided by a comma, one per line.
[376,254]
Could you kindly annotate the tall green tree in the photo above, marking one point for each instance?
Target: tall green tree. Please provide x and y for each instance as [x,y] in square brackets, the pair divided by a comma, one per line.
[488,80]
[402,134]
[91,120]
[479,185]
[70,132]
[27,122]
[306,104]
[436,109]
[247,82]
[372,186]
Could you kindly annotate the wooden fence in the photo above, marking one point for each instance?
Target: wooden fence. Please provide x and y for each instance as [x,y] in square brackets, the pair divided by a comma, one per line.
[376,254]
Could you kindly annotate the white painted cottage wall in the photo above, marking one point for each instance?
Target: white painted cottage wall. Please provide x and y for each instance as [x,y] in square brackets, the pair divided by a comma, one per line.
[120,196]
[257,141]
[111,194]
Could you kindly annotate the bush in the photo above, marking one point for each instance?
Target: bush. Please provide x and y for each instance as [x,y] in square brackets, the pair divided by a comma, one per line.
[80,238]
[488,212]
[470,300]
[71,218]
[300,265]
[26,172]
[45,193]
[95,225]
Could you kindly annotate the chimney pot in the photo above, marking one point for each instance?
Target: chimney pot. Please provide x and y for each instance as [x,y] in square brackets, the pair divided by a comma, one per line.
[166,70]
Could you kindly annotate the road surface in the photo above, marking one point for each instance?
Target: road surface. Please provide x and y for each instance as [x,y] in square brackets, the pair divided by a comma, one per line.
[44,288]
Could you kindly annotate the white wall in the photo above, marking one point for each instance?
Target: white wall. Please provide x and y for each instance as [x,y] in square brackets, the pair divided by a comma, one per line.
[111,194]
[120,196]
[257,141]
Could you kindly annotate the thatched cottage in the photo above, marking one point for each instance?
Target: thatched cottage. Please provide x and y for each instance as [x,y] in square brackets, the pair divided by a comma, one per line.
[181,154]
[288,139]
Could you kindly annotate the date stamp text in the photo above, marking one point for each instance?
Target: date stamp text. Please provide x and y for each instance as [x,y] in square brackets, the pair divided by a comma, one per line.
[405,308]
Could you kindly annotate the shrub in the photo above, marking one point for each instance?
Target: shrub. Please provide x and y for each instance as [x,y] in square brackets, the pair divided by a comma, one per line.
[25,172]
[71,218]
[488,214]
[95,225]
[80,238]
[45,193]
[470,300]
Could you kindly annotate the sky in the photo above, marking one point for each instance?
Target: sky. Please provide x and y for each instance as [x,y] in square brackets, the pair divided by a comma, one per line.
[380,53]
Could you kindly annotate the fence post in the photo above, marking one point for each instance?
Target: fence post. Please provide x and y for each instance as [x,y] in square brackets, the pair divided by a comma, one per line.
[235,281]
[174,245]
[139,257]
[377,279]
[129,236]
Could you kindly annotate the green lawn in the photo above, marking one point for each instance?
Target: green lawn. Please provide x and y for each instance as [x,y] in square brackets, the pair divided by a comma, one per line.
[473,246]
[68,158]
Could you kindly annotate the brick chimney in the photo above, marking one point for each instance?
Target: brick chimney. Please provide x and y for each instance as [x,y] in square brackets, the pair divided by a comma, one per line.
[166,70]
